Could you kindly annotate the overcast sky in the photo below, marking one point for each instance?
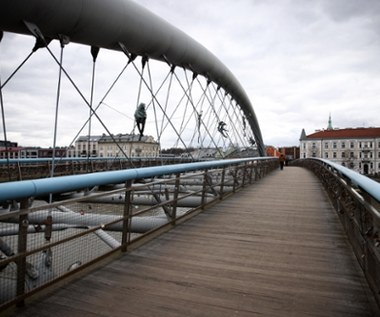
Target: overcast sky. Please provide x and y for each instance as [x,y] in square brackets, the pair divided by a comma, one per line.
[297,60]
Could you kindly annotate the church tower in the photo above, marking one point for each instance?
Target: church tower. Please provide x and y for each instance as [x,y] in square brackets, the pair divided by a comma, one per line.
[329,125]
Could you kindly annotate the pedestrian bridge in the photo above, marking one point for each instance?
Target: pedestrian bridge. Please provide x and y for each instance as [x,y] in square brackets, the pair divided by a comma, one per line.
[125,242]
[277,247]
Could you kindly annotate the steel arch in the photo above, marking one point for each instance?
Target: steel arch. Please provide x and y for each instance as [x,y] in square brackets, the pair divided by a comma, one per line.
[110,24]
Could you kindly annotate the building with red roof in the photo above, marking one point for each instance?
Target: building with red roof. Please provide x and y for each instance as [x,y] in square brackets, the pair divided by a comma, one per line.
[354,148]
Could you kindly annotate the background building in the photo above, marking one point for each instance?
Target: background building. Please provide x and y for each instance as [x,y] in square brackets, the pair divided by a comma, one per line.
[48,152]
[29,152]
[85,146]
[290,152]
[12,151]
[114,146]
[9,150]
[354,148]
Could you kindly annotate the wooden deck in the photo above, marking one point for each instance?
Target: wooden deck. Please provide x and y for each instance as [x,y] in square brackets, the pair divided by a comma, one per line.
[274,249]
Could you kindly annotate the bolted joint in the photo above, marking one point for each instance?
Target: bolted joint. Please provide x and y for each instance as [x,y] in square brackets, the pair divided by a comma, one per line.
[63,40]
[94,52]
[132,57]
[40,39]
[144,60]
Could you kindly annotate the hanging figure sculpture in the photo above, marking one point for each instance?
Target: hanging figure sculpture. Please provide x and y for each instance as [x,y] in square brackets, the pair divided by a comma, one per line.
[140,117]
[222,128]
[199,125]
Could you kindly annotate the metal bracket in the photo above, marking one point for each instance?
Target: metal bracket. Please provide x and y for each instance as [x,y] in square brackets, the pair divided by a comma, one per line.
[40,39]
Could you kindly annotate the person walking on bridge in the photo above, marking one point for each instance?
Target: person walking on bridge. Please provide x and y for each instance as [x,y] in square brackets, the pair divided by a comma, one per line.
[282,161]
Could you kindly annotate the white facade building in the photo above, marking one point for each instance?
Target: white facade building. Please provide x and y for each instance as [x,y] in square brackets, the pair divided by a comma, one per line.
[87,146]
[119,145]
[354,148]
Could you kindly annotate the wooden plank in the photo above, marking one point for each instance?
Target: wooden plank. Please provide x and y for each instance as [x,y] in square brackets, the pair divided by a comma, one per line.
[274,249]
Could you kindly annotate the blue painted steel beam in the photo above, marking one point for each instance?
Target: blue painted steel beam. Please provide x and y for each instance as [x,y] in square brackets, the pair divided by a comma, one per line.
[40,187]
[361,181]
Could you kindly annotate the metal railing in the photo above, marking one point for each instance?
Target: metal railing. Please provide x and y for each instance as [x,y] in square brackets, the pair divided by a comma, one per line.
[23,169]
[356,198]
[97,215]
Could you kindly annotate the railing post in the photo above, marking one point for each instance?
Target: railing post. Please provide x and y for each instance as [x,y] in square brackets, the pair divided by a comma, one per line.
[21,249]
[266,170]
[222,183]
[258,171]
[234,175]
[19,171]
[244,171]
[204,186]
[250,172]
[175,197]
[127,217]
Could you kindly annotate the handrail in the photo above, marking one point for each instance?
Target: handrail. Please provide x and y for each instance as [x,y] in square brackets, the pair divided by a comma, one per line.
[364,183]
[38,187]
[51,237]
[358,210]
[86,159]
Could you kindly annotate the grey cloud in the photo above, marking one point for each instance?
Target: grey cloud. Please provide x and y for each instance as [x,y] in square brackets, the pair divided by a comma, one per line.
[344,10]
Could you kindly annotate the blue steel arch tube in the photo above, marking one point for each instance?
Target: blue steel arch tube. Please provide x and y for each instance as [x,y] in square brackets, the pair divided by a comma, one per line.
[106,24]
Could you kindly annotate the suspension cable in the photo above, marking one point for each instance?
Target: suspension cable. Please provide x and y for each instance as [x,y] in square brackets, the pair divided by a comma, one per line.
[101,102]
[41,42]
[87,103]
[3,120]
[166,101]
[215,127]
[173,112]
[239,136]
[194,108]
[62,41]
[221,121]
[159,104]
[154,108]
[143,62]
[205,119]
[153,104]
[227,115]
[158,90]
[216,115]
[16,70]
[189,100]
[94,54]
[5,133]
[205,96]
[198,118]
